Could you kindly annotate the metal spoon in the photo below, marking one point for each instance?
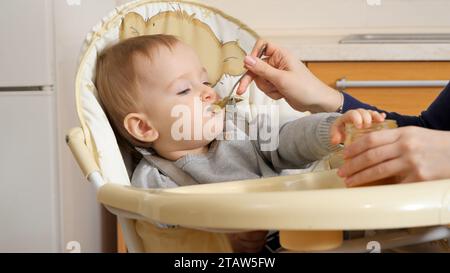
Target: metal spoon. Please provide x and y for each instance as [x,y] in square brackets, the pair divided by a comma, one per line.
[230,99]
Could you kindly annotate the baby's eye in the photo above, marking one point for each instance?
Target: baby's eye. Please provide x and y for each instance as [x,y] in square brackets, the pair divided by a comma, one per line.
[207,84]
[184,92]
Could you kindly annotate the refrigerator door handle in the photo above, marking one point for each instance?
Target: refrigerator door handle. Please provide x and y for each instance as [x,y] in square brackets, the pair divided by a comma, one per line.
[44,88]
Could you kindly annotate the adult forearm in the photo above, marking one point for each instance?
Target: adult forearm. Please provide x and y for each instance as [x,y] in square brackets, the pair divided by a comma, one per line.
[402,120]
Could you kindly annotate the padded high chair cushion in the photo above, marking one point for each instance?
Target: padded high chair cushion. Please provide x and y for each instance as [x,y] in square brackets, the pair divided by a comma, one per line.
[221,41]
[181,240]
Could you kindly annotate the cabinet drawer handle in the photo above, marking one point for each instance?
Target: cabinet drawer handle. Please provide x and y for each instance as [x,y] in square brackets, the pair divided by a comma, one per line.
[342,84]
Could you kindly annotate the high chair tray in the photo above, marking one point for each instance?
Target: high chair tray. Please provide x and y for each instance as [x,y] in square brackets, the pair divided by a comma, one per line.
[314,201]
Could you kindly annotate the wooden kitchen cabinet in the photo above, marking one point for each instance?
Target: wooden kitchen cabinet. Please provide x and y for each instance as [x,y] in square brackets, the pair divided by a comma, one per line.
[404,100]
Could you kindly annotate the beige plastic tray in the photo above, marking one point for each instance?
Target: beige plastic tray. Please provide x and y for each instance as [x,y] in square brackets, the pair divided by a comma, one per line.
[310,210]
[314,201]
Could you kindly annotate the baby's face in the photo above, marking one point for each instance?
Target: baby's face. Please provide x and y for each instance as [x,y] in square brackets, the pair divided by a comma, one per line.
[176,96]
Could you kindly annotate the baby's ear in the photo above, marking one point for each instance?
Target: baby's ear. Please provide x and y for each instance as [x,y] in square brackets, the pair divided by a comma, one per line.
[233,59]
[138,126]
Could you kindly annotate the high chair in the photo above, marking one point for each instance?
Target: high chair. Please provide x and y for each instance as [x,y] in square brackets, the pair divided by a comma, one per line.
[311,209]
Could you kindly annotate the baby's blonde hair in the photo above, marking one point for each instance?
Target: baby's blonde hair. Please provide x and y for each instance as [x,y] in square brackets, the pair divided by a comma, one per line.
[117,78]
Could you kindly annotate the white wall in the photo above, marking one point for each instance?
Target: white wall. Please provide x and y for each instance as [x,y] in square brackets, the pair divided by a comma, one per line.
[82,218]
[274,17]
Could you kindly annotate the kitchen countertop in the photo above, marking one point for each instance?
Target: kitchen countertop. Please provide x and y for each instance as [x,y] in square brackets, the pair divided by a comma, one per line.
[328,48]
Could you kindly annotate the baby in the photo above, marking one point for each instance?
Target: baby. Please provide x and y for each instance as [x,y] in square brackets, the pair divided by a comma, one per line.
[142,82]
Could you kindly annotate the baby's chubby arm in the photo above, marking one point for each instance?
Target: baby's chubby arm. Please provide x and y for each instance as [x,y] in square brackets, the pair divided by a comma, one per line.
[300,142]
[308,139]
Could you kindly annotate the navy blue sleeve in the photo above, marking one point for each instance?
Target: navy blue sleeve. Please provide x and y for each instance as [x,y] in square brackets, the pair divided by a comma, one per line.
[437,116]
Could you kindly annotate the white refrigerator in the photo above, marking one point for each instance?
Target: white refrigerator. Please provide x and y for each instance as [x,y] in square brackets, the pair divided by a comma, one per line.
[45,203]
[28,185]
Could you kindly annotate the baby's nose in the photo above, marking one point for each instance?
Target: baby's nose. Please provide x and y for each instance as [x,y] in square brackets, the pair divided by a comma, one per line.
[208,95]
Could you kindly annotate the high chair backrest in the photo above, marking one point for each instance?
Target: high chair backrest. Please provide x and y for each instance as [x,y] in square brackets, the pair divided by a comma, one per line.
[220,40]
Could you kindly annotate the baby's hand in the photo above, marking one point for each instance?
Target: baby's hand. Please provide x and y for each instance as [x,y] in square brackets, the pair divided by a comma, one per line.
[248,242]
[361,118]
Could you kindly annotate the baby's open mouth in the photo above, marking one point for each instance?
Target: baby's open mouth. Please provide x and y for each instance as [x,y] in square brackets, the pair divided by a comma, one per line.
[221,104]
